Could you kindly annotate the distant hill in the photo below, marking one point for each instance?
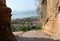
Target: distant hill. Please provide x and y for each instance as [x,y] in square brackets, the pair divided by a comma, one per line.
[23,14]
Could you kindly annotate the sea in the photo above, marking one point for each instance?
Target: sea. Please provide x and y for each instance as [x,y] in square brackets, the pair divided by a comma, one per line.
[23,14]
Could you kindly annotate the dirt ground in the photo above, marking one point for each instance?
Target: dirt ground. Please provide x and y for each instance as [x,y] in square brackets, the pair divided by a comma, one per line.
[33,35]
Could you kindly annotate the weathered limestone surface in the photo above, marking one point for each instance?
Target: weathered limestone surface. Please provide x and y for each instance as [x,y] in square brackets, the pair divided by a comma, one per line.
[5,22]
[50,16]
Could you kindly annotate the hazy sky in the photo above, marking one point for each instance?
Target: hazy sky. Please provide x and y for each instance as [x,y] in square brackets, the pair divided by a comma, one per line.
[21,4]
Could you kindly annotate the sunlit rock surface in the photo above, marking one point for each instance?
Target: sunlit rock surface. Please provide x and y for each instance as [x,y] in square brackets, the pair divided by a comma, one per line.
[50,17]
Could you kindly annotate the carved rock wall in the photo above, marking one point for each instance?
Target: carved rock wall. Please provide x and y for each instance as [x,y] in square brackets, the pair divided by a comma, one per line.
[50,10]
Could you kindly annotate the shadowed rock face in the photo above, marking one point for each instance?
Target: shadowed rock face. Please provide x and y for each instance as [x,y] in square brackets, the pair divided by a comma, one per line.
[50,17]
[5,21]
[3,2]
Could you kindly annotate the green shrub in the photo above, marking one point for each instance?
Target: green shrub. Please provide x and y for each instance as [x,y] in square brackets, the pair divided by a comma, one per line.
[38,28]
[14,29]
[21,28]
[25,28]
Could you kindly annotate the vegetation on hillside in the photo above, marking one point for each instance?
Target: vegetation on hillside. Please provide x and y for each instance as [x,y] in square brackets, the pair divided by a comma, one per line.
[25,24]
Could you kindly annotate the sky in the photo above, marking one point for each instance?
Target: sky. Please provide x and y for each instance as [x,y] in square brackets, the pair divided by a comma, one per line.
[21,5]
